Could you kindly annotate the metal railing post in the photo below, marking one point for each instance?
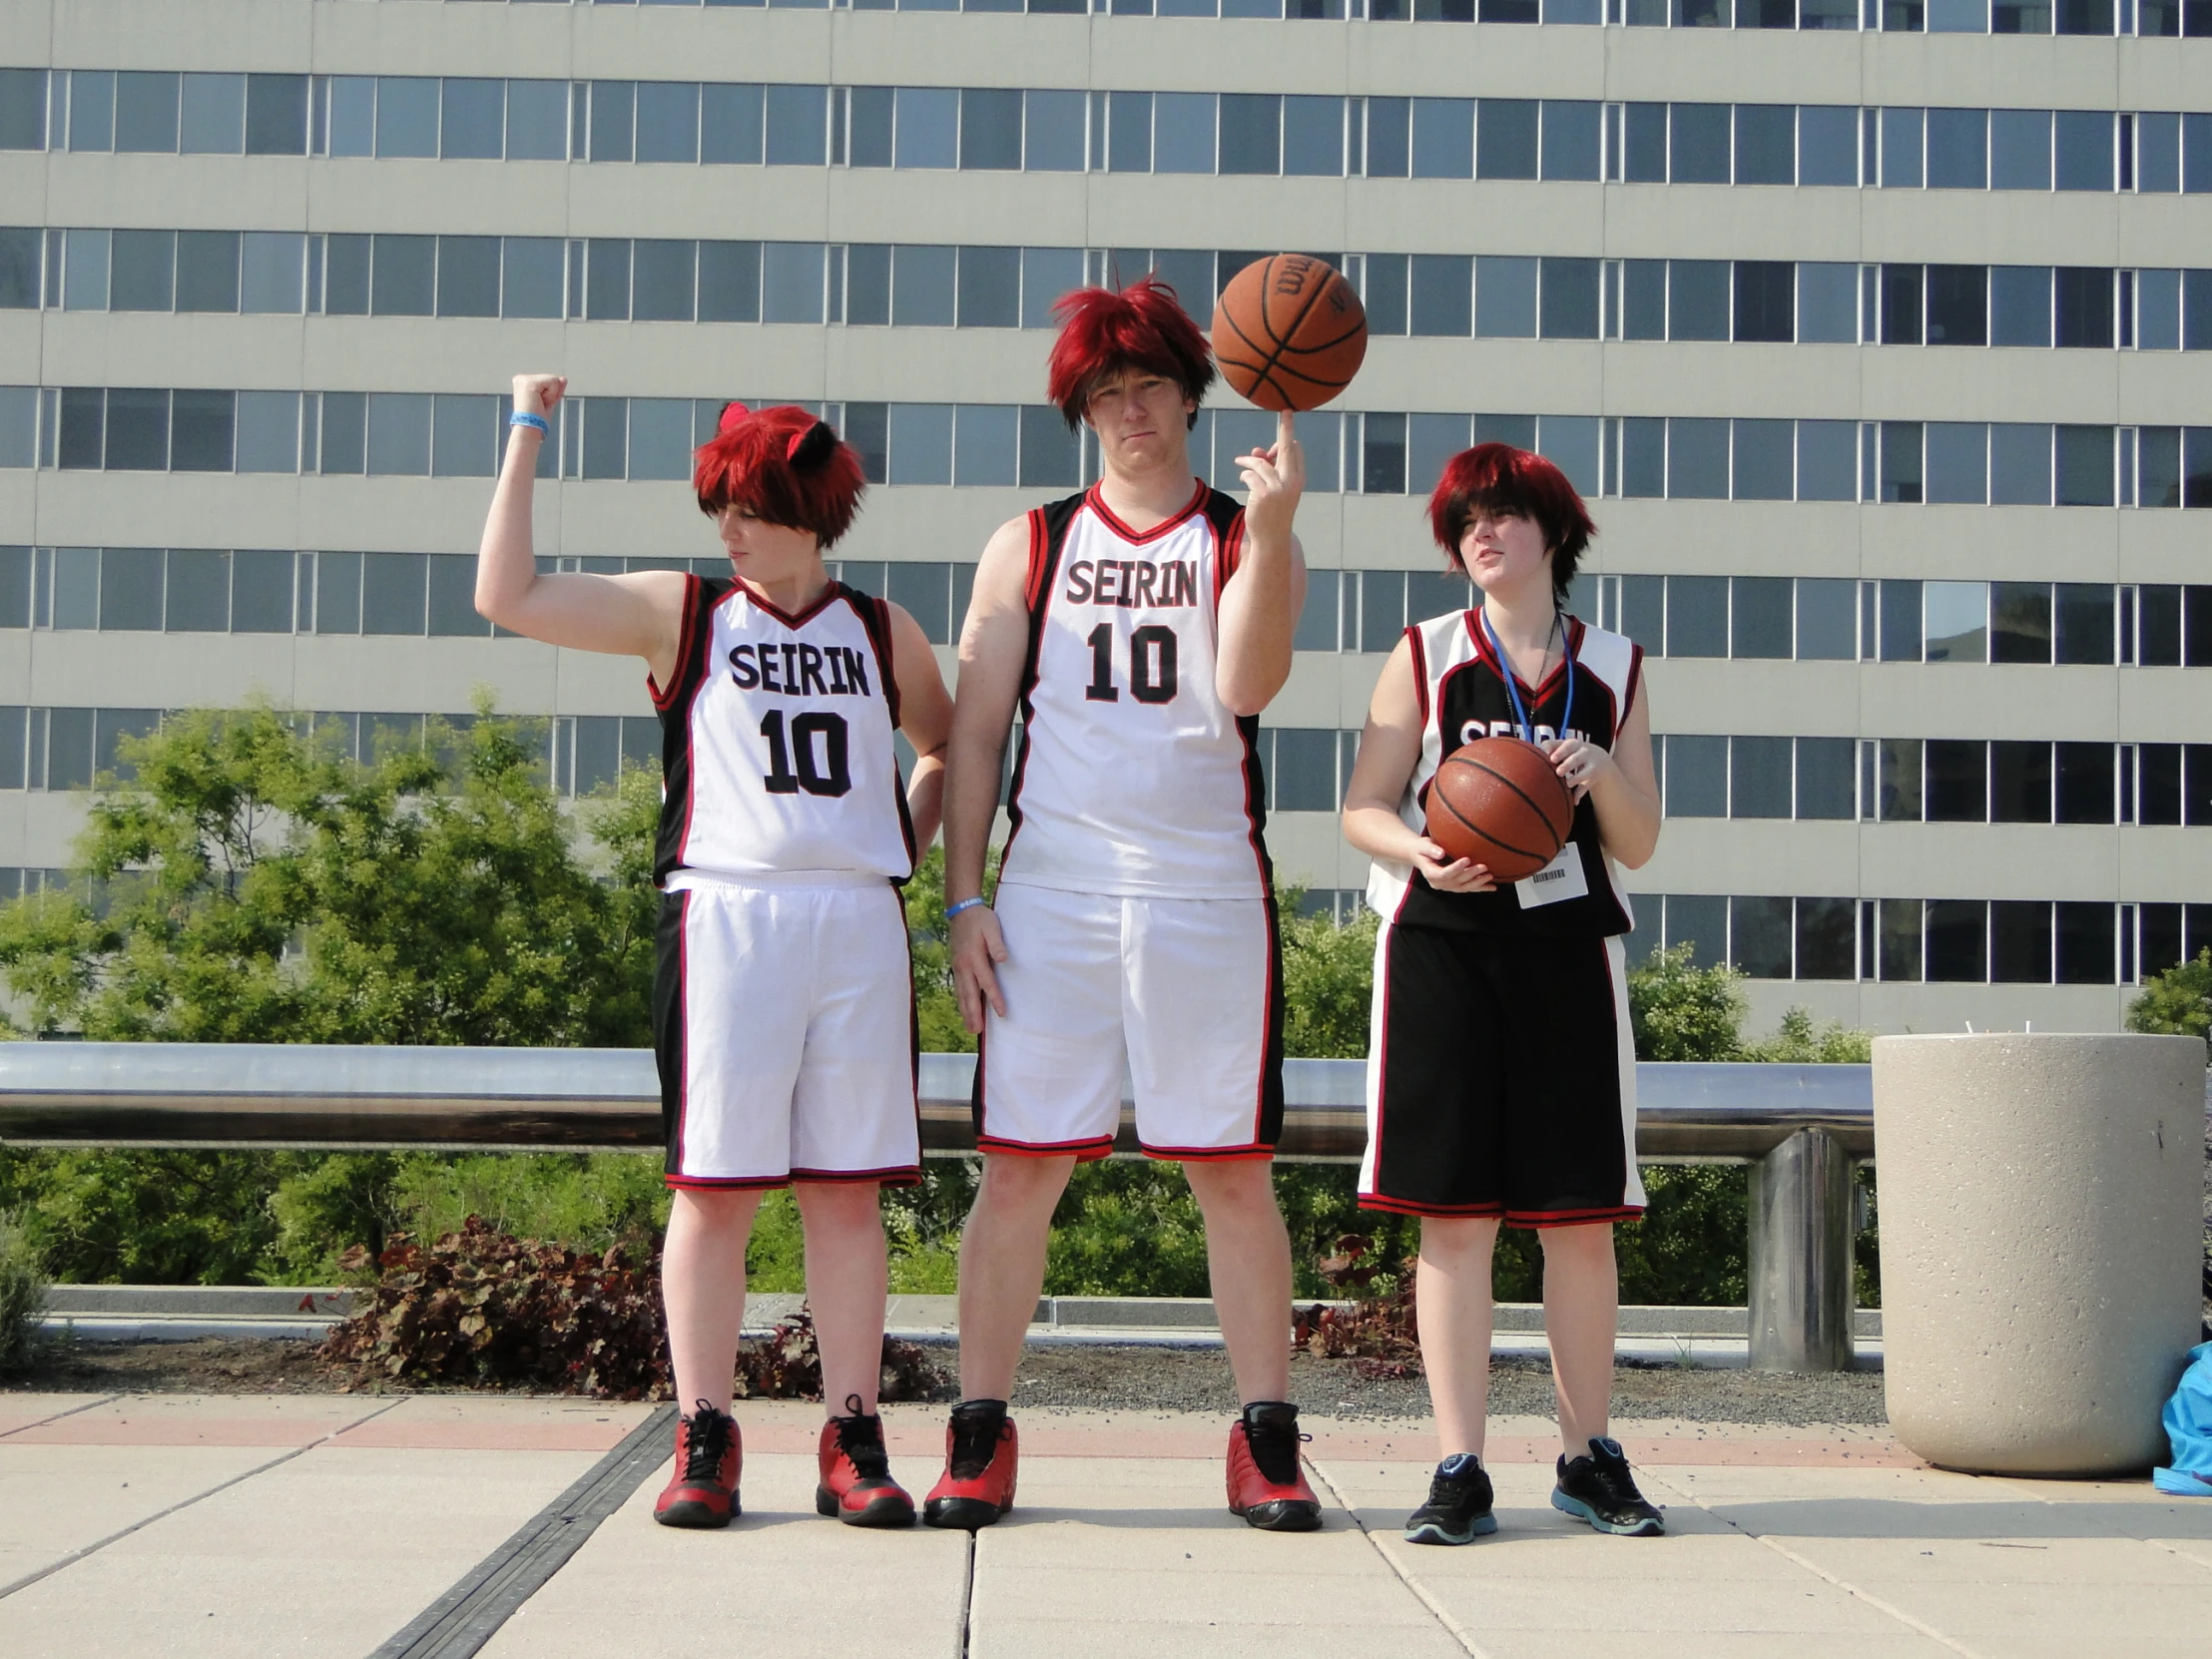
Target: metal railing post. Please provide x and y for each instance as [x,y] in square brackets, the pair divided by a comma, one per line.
[1799,1279]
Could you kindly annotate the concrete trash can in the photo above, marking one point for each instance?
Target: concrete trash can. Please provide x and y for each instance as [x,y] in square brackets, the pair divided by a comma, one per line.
[2042,1230]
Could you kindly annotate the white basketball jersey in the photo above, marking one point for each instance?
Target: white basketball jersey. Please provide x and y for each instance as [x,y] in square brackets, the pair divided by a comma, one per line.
[1132,778]
[777,751]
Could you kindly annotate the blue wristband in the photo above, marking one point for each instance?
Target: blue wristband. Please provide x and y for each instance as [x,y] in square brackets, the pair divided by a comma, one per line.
[952,910]
[523,418]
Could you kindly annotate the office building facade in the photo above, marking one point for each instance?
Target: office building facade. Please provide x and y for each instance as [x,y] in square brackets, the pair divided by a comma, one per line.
[1871,329]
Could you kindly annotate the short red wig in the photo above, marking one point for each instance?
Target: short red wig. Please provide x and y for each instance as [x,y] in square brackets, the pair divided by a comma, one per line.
[783,467]
[1102,332]
[1500,478]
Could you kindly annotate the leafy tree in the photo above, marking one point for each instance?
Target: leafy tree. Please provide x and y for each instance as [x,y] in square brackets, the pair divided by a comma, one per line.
[253,885]
[1328,980]
[2177,1001]
[1681,1011]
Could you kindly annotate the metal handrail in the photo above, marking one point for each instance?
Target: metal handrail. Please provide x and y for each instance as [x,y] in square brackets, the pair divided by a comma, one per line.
[1800,1127]
[332,1096]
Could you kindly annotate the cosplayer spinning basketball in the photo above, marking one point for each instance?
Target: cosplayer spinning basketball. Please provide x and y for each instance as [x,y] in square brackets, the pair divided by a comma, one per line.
[1141,626]
[783,1000]
[1501,1073]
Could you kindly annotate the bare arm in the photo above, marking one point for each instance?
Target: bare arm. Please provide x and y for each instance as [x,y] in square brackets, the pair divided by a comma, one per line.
[1622,785]
[628,616]
[925,716]
[1390,750]
[994,644]
[1259,604]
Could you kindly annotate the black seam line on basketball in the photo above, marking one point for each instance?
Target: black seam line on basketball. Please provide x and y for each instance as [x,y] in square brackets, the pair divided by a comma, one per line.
[98,1544]
[1263,375]
[41,1422]
[1356,328]
[1524,794]
[1477,829]
[1290,333]
[469,1615]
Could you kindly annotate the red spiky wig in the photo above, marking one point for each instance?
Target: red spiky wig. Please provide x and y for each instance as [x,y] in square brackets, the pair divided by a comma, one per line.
[1102,332]
[783,465]
[1500,478]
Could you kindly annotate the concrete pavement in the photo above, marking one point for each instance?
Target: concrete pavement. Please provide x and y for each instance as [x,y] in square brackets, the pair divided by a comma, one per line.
[321,1525]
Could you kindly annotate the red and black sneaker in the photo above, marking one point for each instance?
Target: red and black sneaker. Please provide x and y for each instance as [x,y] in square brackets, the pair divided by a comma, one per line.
[703,1491]
[982,1452]
[856,1484]
[1266,1484]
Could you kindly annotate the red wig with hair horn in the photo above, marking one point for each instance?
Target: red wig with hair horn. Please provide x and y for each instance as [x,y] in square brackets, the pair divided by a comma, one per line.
[1497,477]
[1102,332]
[783,467]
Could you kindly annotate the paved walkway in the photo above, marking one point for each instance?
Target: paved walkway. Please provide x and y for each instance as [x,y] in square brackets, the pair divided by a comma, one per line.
[319,1525]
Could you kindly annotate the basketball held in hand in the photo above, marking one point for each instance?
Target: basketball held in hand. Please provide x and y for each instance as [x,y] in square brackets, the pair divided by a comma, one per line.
[1288,333]
[1499,802]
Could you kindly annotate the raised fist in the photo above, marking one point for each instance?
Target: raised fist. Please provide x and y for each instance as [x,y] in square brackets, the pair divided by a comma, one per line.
[537,393]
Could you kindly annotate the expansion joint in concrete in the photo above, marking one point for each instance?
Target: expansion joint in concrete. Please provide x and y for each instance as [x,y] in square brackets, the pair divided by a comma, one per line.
[1436,1610]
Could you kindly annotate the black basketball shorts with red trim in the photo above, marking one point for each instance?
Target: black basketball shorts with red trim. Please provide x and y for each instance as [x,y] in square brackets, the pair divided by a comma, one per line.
[1502,1079]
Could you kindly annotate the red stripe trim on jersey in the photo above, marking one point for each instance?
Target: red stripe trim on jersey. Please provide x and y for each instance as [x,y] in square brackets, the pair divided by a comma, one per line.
[1229,553]
[684,641]
[1536,1221]
[821,602]
[1083,1151]
[1207,1153]
[1635,685]
[896,1175]
[1405,1207]
[695,653]
[1032,588]
[683,1023]
[1420,669]
[1097,504]
[1481,640]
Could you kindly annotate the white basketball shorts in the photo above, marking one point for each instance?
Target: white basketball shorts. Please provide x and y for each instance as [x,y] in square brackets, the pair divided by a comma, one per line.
[784,1023]
[1187,993]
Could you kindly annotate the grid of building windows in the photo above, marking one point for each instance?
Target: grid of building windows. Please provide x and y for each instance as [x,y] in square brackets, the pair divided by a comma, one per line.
[459,434]
[1943,941]
[1070,130]
[1935,780]
[1836,619]
[1491,297]
[2148,18]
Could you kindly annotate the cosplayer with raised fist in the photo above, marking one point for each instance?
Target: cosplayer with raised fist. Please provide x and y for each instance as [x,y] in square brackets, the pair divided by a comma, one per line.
[1501,1078]
[1140,628]
[782,997]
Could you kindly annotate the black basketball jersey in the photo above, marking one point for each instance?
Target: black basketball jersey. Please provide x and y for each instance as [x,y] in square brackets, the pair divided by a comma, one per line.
[1463,697]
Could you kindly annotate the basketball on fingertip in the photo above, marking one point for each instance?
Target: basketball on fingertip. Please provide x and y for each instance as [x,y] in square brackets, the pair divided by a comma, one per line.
[1288,332]
[1499,802]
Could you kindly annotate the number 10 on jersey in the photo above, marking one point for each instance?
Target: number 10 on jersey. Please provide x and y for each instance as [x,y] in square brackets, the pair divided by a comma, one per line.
[1151,665]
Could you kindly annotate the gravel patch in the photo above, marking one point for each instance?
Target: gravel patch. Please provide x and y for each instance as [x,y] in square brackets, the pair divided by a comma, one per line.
[1091,1376]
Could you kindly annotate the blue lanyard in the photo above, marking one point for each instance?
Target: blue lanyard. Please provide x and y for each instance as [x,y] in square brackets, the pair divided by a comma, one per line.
[1521,723]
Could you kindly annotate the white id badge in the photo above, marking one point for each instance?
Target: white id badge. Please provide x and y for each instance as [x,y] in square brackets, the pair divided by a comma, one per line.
[1561,878]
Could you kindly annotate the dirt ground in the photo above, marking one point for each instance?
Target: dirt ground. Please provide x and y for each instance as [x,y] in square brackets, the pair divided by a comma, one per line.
[1094,1376]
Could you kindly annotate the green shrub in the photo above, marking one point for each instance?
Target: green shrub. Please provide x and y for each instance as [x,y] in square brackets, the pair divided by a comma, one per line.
[23,1287]
[2177,1001]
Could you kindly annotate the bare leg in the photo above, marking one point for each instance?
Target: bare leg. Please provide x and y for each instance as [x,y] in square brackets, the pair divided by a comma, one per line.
[847,1276]
[1002,1267]
[703,1289]
[1581,1316]
[1452,1295]
[1248,1261]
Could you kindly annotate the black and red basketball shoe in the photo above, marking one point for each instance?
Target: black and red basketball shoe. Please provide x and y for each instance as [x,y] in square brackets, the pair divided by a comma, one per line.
[1266,1484]
[856,1484]
[982,1453]
[703,1490]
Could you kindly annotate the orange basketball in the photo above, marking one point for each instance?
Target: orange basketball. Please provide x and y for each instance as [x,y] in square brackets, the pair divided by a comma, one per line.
[1499,802]
[1288,333]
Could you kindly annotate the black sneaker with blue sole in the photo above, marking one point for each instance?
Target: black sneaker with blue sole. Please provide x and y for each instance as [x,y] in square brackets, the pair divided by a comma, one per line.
[1599,1489]
[1459,1507]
